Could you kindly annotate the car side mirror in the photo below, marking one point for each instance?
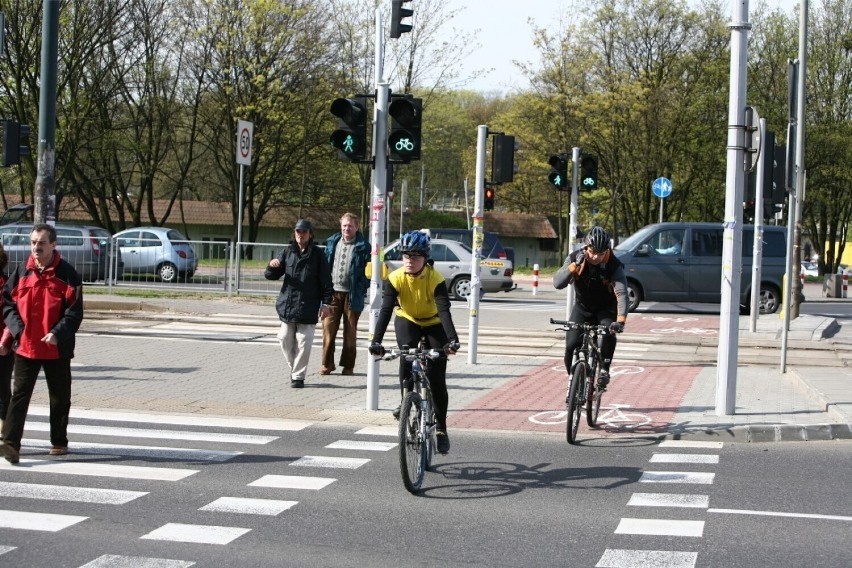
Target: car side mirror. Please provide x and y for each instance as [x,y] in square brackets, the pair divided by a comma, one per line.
[644,250]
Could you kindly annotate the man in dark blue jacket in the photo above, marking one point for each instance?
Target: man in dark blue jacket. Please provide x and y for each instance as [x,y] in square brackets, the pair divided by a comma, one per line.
[306,292]
[348,253]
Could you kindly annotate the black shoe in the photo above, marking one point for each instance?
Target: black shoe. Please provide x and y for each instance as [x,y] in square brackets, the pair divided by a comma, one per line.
[10,453]
[297,384]
[603,380]
[443,442]
[396,411]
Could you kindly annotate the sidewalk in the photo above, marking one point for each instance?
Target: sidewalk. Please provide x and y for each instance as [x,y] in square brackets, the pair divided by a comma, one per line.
[809,402]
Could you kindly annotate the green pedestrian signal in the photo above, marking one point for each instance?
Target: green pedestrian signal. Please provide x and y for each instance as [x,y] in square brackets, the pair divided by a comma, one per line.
[350,138]
[559,171]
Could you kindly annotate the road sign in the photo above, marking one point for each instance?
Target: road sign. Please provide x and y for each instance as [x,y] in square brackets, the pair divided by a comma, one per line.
[662,187]
[245,131]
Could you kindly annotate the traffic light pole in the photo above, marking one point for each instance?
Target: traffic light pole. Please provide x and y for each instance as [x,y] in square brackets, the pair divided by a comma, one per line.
[44,208]
[757,245]
[478,236]
[572,222]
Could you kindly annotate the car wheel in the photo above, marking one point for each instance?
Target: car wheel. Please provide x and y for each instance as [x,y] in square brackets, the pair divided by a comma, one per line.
[770,299]
[634,296]
[460,289]
[167,272]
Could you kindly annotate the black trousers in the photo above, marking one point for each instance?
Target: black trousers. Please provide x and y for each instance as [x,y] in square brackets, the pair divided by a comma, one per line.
[408,334]
[7,362]
[57,373]
[573,338]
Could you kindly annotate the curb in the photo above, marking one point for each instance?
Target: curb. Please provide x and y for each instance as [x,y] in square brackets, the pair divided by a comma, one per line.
[770,433]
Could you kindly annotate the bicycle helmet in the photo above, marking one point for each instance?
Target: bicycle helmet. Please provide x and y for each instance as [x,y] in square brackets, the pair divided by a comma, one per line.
[416,242]
[597,239]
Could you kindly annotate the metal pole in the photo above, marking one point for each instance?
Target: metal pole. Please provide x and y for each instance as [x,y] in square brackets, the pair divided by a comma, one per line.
[402,204]
[726,372]
[757,245]
[572,222]
[466,204]
[237,249]
[661,209]
[796,284]
[44,208]
[478,236]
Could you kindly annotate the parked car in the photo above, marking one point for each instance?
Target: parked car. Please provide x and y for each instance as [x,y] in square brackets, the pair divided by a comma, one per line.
[491,245]
[810,269]
[452,259]
[87,248]
[157,250]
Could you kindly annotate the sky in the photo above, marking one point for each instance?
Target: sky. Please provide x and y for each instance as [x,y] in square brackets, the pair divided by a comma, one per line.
[505,35]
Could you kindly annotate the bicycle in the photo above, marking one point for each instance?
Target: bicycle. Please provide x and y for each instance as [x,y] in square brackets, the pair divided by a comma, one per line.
[585,371]
[417,420]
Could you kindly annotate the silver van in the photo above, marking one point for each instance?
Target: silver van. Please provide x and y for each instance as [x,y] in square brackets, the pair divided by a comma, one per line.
[682,262]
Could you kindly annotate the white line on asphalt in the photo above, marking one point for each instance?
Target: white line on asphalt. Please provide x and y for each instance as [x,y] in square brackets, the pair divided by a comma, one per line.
[616,558]
[91,448]
[331,462]
[37,521]
[181,419]
[5,549]
[220,437]
[292,482]
[200,534]
[778,514]
[97,470]
[660,527]
[115,561]
[691,444]
[65,493]
[669,500]
[244,505]
[361,445]
[699,478]
[684,458]
[379,431]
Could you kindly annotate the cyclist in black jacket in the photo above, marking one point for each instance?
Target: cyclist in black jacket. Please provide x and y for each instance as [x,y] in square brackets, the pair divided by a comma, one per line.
[600,295]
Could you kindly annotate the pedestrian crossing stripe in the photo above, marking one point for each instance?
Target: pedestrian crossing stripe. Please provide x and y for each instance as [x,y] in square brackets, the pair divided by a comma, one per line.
[97,469]
[669,500]
[218,437]
[660,527]
[685,458]
[5,549]
[248,506]
[379,431]
[158,452]
[361,445]
[619,558]
[292,482]
[65,493]
[330,462]
[44,522]
[700,478]
[116,561]
[691,444]
[198,534]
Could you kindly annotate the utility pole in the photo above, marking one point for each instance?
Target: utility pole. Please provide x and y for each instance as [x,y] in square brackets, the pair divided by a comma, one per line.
[44,208]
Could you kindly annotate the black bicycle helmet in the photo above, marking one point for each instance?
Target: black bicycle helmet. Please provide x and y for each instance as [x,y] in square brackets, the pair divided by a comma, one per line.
[597,239]
[416,242]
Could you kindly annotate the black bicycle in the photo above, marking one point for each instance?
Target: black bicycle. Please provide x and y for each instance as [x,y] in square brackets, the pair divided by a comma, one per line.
[585,371]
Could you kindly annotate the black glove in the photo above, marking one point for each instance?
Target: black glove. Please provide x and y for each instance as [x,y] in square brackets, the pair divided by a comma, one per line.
[616,327]
[377,349]
[452,347]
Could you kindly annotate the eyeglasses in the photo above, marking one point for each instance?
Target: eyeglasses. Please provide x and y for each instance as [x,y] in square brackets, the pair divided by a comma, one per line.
[412,255]
[302,231]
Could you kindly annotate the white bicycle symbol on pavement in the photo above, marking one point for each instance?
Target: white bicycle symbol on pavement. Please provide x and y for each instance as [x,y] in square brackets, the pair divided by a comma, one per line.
[611,415]
[690,330]
[614,371]
[682,319]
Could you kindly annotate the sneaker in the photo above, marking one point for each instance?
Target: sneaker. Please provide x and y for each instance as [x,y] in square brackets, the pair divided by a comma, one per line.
[397,410]
[297,384]
[10,453]
[58,451]
[443,442]
[603,380]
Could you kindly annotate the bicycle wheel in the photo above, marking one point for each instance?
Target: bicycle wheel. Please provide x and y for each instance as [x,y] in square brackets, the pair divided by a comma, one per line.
[593,405]
[575,401]
[412,454]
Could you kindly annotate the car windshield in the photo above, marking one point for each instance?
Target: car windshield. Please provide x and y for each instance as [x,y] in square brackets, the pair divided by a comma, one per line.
[636,238]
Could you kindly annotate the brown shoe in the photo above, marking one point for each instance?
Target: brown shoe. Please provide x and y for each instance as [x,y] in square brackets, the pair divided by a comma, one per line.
[324,371]
[347,372]
[58,451]
[10,453]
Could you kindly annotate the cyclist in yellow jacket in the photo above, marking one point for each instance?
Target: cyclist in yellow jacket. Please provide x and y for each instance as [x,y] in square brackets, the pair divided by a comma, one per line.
[417,294]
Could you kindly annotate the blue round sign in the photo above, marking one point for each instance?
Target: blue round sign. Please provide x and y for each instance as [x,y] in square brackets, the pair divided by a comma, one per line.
[662,187]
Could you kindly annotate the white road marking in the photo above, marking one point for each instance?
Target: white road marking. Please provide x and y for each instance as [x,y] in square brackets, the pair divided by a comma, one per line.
[617,558]
[379,431]
[779,514]
[660,527]
[669,500]
[159,452]
[691,444]
[115,561]
[361,445]
[248,506]
[200,534]
[37,521]
[332,462]
[97,469]
[219,437]
[684,458]
[5,549]
[65,493]
[292,482]
[699,478]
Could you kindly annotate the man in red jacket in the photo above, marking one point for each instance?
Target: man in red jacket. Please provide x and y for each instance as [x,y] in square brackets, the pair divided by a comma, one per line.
[43,309]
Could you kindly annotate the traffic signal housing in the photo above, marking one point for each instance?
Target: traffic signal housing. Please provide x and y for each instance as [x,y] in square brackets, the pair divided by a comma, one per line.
[488,202]
[350,138]
[398,12]
[558,171]
[15,140]
[502,159]
[588,172]
[404,141]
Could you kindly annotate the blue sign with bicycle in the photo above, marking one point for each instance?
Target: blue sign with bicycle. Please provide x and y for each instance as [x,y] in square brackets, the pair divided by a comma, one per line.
[662,187]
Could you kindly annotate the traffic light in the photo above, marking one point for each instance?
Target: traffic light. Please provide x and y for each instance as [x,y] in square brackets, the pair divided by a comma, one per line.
[398,28]
[15,140]
[559,171]
[773,192]
[502,159]
[406,114]
[488,204]
[588,172]
[350,138]
[779,192]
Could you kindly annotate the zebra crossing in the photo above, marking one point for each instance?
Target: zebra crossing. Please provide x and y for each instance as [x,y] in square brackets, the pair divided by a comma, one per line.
[640,526]
[32,480]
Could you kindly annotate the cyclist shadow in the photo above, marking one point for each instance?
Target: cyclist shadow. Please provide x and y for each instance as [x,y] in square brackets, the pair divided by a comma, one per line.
[499,479]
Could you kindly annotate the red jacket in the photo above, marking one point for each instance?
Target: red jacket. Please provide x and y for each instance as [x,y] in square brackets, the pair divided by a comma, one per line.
[6,337]
[36,303]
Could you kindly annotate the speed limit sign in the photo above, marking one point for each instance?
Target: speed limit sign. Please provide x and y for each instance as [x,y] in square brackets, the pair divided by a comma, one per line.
[245,130]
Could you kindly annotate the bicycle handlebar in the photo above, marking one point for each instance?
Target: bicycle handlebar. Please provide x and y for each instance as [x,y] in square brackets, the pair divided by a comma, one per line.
[569,325]
[412,354]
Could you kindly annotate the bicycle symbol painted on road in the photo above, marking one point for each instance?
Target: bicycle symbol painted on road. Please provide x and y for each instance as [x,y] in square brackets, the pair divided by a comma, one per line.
[612,415]
[689,330]
[680,319]
[614,371]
